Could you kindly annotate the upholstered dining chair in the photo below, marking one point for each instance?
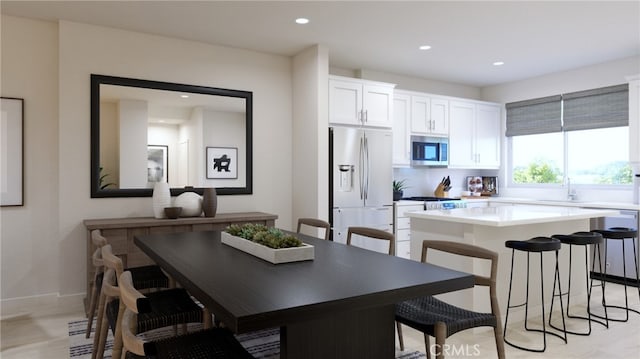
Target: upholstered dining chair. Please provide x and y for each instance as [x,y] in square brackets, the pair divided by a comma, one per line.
[144,277]
[208,343]
[436,318]
[175,306]
[373,233]
[315,223]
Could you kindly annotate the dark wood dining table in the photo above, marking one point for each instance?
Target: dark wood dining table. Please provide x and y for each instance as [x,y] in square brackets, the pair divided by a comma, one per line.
[338,305]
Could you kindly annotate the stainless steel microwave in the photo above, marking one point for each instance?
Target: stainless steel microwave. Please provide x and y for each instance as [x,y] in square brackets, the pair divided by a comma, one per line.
[429,151]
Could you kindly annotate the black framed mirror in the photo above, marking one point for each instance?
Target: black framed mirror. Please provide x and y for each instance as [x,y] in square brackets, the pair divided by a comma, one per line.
[190,136]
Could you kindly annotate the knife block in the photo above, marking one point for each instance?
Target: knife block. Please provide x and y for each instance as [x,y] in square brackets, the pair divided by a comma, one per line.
[439,191]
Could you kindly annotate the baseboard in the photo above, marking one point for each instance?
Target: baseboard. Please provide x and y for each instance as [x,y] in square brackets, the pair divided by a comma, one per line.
[41,305]
[615,279]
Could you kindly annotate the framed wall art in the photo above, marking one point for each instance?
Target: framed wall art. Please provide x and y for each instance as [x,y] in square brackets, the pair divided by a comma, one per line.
[222,162]
[12,152]
[157,163]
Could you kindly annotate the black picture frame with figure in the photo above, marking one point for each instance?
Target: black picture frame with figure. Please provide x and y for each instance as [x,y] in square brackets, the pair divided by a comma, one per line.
[222,162]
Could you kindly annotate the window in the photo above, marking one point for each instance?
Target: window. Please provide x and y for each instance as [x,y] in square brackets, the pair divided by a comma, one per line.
[583,136]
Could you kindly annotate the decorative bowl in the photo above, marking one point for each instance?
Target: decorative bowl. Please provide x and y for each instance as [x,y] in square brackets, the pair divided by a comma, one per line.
[172,212]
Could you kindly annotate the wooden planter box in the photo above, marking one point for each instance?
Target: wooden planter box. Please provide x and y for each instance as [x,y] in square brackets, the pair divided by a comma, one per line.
[275,256]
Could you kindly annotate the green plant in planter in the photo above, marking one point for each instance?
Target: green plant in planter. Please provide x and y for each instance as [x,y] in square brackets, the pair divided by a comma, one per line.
[398,188]
[266,236]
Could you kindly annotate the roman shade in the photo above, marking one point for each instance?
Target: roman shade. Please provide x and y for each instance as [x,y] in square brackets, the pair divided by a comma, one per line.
[596,108]
[529,117]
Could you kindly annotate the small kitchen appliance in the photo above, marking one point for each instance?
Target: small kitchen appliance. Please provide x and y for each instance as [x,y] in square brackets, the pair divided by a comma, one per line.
[429,151]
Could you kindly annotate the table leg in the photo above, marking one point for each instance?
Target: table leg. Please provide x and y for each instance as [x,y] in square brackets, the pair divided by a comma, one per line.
[367,333]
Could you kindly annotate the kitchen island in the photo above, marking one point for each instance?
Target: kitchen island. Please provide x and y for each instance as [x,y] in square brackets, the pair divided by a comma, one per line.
[490,227]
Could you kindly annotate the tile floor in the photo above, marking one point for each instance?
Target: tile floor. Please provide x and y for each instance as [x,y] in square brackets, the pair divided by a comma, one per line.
[44,335]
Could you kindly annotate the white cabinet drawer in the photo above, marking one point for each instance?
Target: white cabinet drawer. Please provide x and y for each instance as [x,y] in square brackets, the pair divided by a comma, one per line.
[402,210]
[403,249]
[403,235]
[403,223]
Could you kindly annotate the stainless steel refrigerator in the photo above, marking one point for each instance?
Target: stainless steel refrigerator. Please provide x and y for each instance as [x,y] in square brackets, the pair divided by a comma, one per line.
[361,176]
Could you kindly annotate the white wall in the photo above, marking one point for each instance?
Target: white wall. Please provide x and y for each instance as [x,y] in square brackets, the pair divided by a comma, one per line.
[44,242]
[29,243]
[132,118]
[310,157]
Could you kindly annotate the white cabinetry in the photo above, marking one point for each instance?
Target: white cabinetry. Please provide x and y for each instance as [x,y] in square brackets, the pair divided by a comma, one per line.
[401,226]
[360,102]
[401,136]
[474,135]
[429,116]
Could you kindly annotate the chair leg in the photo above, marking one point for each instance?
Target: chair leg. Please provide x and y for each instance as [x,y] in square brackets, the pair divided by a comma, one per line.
[427,345]
[101,338]
[497,332]
[440,330]
[116,351]
[96,336]
[92,308]
[400,338]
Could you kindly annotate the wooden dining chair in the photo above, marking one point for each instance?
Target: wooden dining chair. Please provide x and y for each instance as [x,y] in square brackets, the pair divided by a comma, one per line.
[175,306]
[208,343]
[144,277]
[315,223]
[374,233]
[436,318]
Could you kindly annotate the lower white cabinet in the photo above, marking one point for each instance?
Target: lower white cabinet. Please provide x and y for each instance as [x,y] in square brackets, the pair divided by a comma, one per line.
[402,226]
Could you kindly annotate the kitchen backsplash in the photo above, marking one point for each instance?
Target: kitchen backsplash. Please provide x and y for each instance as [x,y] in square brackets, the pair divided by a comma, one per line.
[423,180]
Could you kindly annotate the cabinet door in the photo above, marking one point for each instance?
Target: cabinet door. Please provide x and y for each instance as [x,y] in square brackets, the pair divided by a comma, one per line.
[403,249]
[420,115]
[461,134]
[487,136]
[401,138]
[377,105]
[345,102]
[439,116]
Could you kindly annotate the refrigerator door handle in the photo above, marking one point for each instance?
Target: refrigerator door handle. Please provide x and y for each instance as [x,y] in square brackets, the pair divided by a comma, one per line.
[366,183]
[361,159]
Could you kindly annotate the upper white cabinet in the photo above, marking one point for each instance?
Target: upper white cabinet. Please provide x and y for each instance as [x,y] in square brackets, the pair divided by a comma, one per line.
[429,116]
[474,135]
[360,102]
[401,135]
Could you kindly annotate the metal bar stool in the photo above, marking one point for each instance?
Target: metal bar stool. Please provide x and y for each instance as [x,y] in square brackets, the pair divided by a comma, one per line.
[620,234]
[537,244]
[584,239]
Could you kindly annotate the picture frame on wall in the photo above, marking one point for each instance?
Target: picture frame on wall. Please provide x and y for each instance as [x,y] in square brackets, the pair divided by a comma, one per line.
[222,162]
[157,163]
[12,152]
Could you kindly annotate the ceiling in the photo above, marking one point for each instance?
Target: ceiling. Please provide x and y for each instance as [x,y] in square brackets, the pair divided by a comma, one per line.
[531,38]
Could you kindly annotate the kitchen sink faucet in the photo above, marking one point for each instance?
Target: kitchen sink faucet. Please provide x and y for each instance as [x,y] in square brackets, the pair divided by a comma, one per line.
[571,193]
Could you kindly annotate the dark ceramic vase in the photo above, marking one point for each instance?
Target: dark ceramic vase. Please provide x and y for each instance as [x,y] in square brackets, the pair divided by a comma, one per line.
[209,202]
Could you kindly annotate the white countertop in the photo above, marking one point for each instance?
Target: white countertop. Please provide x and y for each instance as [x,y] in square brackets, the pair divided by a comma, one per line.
[511,215]
[565,203]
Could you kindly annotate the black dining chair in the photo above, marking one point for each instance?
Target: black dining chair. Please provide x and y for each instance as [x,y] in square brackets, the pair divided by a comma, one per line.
[315,224]
[438,319]
[213,343]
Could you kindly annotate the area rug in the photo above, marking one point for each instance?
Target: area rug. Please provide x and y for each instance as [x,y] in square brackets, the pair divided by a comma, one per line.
[264,344]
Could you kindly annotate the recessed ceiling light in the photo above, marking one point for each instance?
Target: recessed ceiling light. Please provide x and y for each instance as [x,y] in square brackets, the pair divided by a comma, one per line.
[424,47]
[498,63]
[184,96]
[302,21]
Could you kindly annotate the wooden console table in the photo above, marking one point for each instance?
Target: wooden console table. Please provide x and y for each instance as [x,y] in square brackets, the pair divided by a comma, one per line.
[120,232]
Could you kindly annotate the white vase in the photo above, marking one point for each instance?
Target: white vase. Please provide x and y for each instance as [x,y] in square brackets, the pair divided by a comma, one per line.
[191,204]
[161,199]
